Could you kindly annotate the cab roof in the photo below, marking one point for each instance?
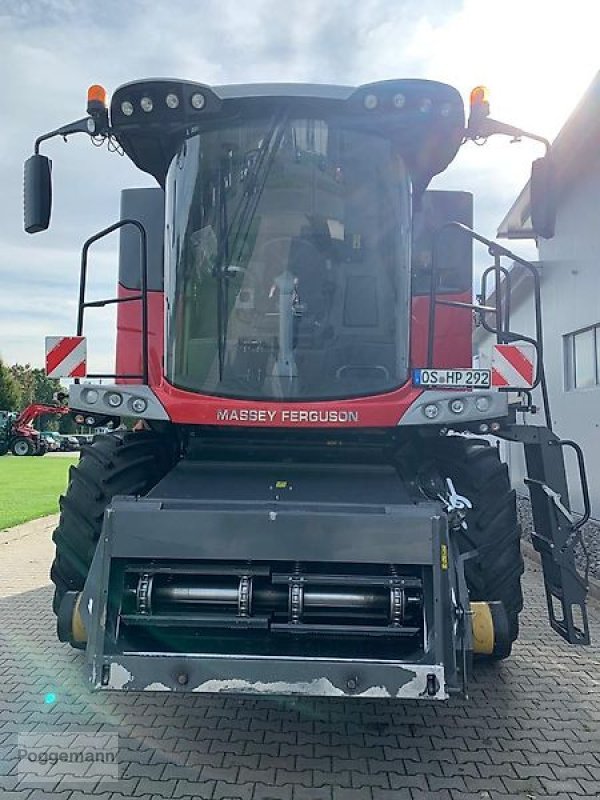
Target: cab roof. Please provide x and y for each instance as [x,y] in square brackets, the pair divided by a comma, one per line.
[151,118]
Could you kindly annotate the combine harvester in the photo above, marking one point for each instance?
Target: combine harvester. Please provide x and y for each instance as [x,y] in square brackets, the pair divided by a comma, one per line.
[305,507]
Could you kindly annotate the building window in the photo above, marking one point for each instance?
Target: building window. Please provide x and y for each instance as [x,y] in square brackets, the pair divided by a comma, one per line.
[582,358]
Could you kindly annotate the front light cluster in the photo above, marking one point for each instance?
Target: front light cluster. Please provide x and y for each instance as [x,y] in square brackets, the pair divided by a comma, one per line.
[460,407]
[171,101]
[114,400]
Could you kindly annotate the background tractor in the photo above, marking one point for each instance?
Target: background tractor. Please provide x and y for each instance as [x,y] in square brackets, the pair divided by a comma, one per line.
[17,433]
[306,505]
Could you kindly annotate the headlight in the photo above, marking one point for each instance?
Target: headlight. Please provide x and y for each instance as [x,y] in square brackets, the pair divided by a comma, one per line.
[198,101]
[146,104]
[431,411]
[425,105]
[127,108]
[457,406]
[446,109]
[482,404]
[139,405]
[90,421]
[370,102]
[172,100]
[113,399]
[399,100]
[90,396]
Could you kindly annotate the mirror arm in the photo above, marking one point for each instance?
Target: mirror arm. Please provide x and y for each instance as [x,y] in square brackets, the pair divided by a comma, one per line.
[536,138]
[92,125]
[488,127]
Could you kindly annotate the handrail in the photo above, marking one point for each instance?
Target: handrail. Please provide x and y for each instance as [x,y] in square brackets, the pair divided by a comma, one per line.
[143,296]
[503,300]
[501,331]
[585,489]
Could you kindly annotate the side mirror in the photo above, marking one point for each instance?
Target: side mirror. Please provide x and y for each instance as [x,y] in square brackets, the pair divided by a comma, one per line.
[543,198]
[37,189]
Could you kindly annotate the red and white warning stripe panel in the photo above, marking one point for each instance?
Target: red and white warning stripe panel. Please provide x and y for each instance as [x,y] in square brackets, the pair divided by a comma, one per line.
[66,356]
[513,365]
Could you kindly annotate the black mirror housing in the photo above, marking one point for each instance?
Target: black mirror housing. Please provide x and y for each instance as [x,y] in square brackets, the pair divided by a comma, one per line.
[37,193]
[543,197]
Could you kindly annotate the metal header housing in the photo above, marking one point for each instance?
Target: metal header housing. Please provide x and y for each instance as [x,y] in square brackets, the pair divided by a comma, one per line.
[151,118]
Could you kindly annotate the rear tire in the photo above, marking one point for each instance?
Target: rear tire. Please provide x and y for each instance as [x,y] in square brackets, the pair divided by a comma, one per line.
[493,530]
[115,464]
[22,447]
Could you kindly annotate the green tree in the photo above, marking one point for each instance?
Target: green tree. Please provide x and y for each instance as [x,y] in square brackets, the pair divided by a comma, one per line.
[35,386]
[10,393]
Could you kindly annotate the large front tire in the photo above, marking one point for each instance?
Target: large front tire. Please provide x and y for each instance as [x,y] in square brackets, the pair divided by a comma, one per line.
[115,464]
[492,531]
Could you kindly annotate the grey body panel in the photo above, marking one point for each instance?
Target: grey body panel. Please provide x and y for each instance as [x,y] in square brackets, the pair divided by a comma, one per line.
[325,91]
[80,392]
[148,207]
[270,532]
[498,407]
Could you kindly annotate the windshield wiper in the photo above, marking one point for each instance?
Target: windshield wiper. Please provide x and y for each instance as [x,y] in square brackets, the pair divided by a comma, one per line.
[241,220]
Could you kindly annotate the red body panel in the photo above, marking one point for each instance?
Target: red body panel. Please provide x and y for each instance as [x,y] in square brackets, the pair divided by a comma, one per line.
[129,337]
[453,333]
[381,411]
[452,349]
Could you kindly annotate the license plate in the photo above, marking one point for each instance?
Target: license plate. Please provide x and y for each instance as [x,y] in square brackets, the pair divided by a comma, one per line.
[452,378]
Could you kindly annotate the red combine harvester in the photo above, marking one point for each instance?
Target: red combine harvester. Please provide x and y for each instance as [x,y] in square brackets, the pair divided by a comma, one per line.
[17,433]
[305,506]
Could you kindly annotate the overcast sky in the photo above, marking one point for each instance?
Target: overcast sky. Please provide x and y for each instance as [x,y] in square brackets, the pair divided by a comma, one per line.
[536,56]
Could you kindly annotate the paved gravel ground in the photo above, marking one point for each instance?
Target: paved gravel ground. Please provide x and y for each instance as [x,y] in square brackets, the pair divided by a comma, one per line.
[531,728]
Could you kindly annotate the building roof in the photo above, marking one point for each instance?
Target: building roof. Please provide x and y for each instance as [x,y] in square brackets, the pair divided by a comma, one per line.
[571,151]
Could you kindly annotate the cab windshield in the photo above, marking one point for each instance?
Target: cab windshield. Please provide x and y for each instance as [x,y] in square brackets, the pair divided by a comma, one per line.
[288,261]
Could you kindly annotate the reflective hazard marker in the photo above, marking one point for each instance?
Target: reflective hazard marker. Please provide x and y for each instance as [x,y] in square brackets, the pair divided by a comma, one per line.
[66,356]
[513,365]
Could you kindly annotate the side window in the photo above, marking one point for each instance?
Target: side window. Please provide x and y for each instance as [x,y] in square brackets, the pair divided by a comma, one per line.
[582,358]
[454,251]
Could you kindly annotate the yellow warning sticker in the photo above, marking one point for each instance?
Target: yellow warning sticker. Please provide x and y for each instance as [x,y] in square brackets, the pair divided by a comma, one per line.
[444,557]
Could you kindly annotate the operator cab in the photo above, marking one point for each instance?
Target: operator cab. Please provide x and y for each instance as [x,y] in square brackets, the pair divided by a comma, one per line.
[288,227]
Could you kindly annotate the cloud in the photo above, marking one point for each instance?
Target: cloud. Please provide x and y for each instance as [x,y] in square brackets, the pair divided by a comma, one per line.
[51,50]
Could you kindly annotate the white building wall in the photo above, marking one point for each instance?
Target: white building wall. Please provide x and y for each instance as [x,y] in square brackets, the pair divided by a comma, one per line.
[570,288]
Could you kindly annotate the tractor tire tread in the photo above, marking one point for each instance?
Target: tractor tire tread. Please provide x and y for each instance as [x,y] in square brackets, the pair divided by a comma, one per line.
[493,530]
[123,463]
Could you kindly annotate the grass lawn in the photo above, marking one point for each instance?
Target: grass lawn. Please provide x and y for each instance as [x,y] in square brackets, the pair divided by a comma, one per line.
[30,486]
